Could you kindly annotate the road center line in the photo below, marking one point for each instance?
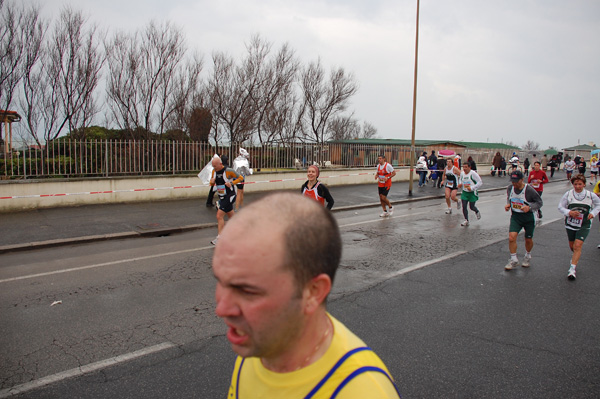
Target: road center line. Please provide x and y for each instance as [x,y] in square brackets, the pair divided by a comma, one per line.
[79,371]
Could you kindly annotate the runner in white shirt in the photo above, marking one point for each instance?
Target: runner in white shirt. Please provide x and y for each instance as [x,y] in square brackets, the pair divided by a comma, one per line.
[470,182]
[580,207]
[569,168]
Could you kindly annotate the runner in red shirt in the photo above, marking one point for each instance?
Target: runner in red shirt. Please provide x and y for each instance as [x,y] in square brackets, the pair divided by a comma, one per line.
[384,175]
[536,179]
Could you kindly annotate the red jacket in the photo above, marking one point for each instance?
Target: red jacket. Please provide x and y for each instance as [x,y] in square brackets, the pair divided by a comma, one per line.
[537,179]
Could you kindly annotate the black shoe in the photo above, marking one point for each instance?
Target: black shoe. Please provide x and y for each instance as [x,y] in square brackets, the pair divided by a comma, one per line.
[539,214]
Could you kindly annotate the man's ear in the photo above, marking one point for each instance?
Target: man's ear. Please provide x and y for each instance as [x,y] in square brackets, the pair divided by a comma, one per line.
[315,292]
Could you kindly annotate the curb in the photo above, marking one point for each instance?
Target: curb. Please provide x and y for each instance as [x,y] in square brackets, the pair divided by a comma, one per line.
[174,230]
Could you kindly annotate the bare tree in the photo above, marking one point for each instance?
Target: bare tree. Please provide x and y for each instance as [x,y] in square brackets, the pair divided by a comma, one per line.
[11,50]
[343,128]
[273,85]
[368,131]
[149,79]
[61,76]
[230,89]
[21,32]
[531,146]
[324,99]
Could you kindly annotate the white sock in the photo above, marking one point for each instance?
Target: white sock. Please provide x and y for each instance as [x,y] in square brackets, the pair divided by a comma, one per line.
[514,258]
[528,254]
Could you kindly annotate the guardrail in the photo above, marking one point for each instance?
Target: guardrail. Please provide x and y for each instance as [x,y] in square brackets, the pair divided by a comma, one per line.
[114,158]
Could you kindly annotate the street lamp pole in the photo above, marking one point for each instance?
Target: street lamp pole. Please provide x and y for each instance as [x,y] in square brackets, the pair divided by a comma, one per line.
[414,111]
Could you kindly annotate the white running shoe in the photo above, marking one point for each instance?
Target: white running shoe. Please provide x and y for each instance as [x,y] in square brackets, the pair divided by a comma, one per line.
[526,261]
[478,214]
[458,204]
[391,211]
[384,214]
[571,275]
[448,211]
[512,264]
[465,223]
[214,242]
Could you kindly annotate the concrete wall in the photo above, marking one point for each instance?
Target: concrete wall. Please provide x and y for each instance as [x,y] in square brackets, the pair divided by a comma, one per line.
[34,194]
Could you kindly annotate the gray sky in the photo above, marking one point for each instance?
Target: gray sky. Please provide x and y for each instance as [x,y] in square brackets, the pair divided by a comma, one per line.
[494,70]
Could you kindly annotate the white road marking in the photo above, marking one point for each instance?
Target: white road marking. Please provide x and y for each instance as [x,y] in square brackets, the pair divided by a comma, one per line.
[116,262]
[79,371]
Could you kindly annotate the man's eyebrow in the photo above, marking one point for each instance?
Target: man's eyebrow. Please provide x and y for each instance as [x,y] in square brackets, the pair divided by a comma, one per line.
[240,285]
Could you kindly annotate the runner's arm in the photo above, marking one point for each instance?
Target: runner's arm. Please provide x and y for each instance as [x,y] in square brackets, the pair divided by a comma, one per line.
[324,192]
[478,181]
[533,198]
[234,177]
[596,208]
[563,204]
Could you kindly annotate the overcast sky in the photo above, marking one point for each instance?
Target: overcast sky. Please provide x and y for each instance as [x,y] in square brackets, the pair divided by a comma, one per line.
[493,70]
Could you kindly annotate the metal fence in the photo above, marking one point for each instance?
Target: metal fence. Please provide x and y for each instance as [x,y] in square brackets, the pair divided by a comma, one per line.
[105,158]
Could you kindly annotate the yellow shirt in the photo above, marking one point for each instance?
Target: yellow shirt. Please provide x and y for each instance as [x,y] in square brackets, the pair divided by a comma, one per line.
[255,381]
[597,188]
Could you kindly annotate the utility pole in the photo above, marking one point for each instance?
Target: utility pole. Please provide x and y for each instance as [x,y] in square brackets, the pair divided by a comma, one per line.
[414,112]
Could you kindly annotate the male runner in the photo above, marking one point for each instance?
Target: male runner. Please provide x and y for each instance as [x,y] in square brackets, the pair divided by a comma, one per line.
[224,178]
[521,200]
[536,179]
[273,278]
[384,175]
[569,168]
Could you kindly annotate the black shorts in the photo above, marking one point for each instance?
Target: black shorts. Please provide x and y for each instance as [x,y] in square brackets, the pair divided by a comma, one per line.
[226,202]
[383,190]
[240,186]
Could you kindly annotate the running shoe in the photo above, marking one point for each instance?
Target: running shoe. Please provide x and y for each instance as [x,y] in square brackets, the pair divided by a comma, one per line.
[214,242]
[478,214]
[458,204]
[448,211]
[526,261]
[391,211]
[539,213]
[465,223]
[571,275]
[512,264]
[384,214]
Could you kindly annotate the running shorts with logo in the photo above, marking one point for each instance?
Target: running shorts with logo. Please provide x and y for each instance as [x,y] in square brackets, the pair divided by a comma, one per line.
[518,218]
[226,194]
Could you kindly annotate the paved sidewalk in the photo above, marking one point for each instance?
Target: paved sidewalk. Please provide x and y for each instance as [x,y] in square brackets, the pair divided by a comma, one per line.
[65,226]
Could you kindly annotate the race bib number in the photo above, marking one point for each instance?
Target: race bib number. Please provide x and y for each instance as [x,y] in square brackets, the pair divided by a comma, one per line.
[517,203]
[221,189]
[535,183]
[382,179]
[575,221]
[467,186]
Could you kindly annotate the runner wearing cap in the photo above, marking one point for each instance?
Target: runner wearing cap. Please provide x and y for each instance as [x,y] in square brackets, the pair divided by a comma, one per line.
[384,175]
[521,200]
[580,207]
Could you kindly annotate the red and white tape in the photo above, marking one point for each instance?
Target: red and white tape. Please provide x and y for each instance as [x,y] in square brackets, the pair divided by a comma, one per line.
[168,188]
